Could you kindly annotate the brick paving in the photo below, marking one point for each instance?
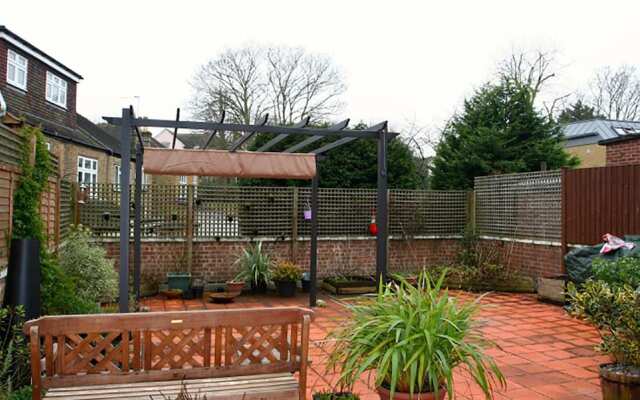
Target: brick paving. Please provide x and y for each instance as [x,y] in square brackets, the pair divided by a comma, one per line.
[544,353]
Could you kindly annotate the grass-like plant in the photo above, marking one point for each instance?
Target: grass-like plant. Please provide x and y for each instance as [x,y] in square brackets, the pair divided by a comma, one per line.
[255,266]
[413,338]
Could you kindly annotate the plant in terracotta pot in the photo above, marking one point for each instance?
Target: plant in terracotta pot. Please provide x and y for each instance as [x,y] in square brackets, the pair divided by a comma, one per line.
[255,268]
[413,338]
[615,310]
[286,276]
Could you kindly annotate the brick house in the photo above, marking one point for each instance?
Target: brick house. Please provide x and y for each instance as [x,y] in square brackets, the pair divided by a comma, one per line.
[39,90]
[623,150]
[585,139]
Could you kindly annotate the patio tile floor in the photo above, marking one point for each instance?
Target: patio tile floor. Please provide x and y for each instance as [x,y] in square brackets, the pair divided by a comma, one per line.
[544,353]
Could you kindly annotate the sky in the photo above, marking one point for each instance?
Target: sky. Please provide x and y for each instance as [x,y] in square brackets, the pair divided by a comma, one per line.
[408,62]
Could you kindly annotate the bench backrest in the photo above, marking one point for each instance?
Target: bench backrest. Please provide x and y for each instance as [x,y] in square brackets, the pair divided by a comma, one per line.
[103,349]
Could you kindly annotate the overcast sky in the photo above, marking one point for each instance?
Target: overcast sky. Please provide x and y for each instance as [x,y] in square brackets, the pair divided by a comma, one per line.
[402,60]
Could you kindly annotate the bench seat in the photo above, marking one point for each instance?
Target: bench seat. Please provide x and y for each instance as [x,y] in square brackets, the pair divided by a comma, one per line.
[253,387]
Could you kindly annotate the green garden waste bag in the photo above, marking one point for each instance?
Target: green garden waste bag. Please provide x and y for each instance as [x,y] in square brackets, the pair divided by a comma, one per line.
[578,261]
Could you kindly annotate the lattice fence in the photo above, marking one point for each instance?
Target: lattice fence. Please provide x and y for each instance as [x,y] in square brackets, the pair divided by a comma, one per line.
[278,212]
[521,206]
[66,207]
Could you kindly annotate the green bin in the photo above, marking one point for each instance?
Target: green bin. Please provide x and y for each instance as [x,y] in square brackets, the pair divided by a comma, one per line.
[179,280]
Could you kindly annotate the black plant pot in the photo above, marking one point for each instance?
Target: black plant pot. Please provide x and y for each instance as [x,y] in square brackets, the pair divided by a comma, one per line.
[198,291]
[259,288]
[306,285]
[23,277]
[286,288]
[188,294]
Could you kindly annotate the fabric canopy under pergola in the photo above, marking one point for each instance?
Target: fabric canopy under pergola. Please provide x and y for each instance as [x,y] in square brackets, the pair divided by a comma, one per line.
[222,163]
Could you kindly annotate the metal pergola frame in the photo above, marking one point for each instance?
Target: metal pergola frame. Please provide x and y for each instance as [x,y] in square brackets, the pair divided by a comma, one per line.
[128,123]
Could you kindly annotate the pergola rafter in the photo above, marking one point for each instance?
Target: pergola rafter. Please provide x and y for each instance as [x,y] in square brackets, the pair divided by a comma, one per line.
[128,122]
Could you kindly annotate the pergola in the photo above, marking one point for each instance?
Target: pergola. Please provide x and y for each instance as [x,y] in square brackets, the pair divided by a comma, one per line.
[232,162]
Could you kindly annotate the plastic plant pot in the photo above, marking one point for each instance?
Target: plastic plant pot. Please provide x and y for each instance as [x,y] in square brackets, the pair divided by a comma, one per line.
[179,280]
[286,288]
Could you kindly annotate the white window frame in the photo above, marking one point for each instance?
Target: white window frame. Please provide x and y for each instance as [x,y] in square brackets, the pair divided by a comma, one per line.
[91,171]
[183,180]
[57,89]
[15,61]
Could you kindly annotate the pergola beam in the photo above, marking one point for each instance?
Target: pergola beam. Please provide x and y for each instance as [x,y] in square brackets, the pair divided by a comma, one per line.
[214,131]
[342,141]
[175,130]
[283,136]
[235,146]
[334,128]
[208,126]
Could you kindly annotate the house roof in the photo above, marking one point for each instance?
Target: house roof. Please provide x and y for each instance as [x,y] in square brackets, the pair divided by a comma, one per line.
[620,139]
[594,131]
[27,47]
[192,140]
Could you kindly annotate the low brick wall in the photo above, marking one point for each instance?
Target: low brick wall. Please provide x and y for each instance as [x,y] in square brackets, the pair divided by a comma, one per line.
[214,260]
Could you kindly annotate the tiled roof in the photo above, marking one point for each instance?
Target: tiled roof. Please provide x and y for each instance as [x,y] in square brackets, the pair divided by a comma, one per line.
[595,130]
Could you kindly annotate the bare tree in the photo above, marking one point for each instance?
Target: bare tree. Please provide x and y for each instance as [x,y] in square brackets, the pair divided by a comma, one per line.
[302,84]
[616,93]
[529,68]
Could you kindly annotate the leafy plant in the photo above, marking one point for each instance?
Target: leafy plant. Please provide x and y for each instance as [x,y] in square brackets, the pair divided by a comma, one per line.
[286,271]
[255,265]
[183,394]
[14,353]
[413,337]
[618,272]
[328,395]
[615,311]
[87,265]
[58,291]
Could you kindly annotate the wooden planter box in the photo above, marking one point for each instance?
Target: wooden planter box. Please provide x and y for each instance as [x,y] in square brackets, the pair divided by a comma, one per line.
[351,285]
[552,289]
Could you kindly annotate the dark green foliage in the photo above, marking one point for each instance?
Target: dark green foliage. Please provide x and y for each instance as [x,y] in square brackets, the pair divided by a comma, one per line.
[327,395]
[578,111]
[14,353]
[353,165]
[25,393]
[33,181]
[499,131]
[618,272]
[59,293]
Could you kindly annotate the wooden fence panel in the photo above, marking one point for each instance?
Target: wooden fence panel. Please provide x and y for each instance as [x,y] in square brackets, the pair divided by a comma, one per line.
[602,200]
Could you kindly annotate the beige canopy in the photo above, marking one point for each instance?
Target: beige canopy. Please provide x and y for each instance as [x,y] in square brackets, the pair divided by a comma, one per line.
[241,164]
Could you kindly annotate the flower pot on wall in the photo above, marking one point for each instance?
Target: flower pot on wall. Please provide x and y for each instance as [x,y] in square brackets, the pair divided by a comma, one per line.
[619,382]
[286,288]
[23,277]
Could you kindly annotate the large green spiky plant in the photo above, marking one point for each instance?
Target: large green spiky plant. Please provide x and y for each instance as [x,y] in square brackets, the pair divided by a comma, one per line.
[413,338]
[255,265]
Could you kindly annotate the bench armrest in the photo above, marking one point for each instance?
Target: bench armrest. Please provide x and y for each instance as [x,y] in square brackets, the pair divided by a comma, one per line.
[34,341]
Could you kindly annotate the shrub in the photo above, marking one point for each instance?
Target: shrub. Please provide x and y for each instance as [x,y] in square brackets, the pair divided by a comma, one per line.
[255,265]
[59,294]
[326,395]
[615,311]
[14,353]
[286,271]
[86,264]
[413,337]
[621,271]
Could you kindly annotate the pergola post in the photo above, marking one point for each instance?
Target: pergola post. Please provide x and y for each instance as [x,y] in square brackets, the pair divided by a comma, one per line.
[382,211]
[137,221]
[125,157]
[313,256]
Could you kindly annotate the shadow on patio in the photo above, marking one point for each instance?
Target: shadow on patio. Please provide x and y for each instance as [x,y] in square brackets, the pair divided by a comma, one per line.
[544,353]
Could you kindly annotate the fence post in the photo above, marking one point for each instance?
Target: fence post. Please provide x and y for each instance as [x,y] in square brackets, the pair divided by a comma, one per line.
[190,189]
[294,225]
[56,215]
[563,218]
[471,211]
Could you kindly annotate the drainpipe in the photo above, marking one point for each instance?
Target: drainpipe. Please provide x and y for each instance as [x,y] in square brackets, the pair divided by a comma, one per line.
[3,106]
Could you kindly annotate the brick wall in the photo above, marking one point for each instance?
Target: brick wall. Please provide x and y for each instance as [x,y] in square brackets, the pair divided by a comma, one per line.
[215,260]
[530,259]
[625,152]
[33,100]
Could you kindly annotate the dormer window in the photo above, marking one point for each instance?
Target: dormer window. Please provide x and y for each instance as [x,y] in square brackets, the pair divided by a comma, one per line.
[56,90]
[17,68]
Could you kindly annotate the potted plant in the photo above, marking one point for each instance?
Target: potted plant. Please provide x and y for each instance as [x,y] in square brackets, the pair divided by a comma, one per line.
[413,338]
[255,268]
[329,395]
[234,286]
[286,276]
[615,310]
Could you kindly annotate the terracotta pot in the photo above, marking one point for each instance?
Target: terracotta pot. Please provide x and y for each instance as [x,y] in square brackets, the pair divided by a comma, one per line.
[619,383]
[385,394]
[234,287]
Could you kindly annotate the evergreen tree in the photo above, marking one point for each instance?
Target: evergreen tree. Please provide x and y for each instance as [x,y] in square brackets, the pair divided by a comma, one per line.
[499,131]
[578,111]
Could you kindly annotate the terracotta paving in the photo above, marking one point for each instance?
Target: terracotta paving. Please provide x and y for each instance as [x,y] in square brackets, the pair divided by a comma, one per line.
[544,353]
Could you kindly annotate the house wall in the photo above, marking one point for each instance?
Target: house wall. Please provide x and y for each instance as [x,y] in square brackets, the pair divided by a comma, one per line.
[33,100]
[590,155]
[623,153]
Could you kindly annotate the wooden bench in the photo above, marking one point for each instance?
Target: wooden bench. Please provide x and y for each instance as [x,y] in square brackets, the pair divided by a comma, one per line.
[241,354]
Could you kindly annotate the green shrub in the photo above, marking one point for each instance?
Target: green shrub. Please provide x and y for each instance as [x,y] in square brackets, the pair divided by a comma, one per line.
[14,353]
[59,293]
[255,265]
[615,311]
[327,395]
[286,271]
[621,271]
[88,267]
[413,337]
[24,393]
